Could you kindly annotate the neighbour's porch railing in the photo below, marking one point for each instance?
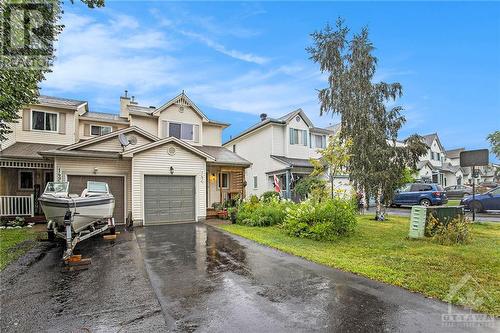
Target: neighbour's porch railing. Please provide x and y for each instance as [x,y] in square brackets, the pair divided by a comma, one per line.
[17,205]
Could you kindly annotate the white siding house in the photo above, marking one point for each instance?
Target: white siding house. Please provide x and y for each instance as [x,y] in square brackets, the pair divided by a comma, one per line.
[282,147]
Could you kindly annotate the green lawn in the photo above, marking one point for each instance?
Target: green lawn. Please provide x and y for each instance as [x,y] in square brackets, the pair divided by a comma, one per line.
[453,202]
[14,243]
[381,251]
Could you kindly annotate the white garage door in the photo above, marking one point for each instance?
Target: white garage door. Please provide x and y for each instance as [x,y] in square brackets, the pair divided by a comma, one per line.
[169,198]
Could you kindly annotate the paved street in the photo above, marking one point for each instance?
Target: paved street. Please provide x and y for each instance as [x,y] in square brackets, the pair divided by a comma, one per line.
[405,211]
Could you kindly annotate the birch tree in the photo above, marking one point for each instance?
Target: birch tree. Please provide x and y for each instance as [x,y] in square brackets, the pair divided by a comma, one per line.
[376,158]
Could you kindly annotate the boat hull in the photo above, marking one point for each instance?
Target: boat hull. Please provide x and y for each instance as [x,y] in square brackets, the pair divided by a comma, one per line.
[86,211]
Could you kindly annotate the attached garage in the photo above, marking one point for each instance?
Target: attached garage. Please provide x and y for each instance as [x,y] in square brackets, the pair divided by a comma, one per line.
[169,198]
[116,186]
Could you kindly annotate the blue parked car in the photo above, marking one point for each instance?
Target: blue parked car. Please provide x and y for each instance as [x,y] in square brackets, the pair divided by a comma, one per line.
[420,194]
[483,202]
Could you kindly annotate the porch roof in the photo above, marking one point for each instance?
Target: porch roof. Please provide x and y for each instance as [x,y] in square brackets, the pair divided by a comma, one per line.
[224,156]
[27,150]
[80,153]
[293,162]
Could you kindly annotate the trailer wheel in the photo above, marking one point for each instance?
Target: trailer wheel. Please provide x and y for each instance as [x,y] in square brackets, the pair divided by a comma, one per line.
[51,236]
[112,230]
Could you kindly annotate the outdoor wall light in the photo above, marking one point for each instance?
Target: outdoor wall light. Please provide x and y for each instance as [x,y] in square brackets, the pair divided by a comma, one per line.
[212,178]
[171,170]
[95,171]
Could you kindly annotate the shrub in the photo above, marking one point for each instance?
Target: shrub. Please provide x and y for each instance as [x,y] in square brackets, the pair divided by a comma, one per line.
[325,220]
[267,196]
[262,213]
[449,232]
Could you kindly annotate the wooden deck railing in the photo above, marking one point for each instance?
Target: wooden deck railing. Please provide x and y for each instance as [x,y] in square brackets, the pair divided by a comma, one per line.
[17,205]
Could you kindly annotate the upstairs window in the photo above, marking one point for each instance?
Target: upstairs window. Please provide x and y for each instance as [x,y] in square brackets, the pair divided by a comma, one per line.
[44,121]
[319,141]
[100,130]
[298,137]
[183,131]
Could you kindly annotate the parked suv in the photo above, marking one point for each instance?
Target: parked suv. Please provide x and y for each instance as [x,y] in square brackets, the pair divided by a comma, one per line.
[420,194]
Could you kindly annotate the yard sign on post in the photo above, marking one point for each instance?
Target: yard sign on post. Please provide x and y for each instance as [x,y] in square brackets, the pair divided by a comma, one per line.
[474,158]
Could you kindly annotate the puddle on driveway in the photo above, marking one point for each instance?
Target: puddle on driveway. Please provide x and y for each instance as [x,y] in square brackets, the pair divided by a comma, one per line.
[208,281]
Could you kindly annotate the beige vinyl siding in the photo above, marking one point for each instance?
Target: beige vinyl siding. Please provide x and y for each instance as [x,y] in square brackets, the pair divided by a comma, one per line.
[64,137]
[189,116]
[157,161]
[83,134]
[113,144]
[105,167]
[145,123]
[212,135]
[11,138]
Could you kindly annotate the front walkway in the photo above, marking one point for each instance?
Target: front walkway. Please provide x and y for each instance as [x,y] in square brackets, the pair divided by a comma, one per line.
[210,281]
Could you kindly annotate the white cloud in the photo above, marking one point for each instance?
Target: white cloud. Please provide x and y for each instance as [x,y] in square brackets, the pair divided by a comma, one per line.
[248,57]
[110,54]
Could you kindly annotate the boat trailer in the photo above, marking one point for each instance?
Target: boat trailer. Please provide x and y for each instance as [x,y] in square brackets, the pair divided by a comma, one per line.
[72,239]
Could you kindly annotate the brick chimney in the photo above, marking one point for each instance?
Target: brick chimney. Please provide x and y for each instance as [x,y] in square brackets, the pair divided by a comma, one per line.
[124,102]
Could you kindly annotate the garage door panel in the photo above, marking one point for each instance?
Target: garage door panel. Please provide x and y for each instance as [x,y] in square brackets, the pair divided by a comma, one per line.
[116,186]
[169,198]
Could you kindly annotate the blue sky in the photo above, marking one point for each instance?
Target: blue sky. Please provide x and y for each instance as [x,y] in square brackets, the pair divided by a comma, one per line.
[237,60]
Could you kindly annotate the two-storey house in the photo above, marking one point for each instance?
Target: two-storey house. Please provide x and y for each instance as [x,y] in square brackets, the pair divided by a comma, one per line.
[280,147]
[435,166]
[163,164]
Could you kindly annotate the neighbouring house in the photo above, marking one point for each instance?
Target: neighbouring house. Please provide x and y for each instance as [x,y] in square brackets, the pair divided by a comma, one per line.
[486,173]
[173,168]
[280,147]
[435,166]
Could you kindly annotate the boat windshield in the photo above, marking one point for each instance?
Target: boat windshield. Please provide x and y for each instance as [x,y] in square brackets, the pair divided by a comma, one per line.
[97,187]
[57,187]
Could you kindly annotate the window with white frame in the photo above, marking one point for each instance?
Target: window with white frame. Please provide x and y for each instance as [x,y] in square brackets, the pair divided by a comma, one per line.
[26,179]
[223,180]
[298,137]
[44,121]
[183,131]
[100,130]
[318,141]
[255,182]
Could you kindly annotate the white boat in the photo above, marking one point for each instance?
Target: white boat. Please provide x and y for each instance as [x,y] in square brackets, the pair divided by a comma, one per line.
[76,217]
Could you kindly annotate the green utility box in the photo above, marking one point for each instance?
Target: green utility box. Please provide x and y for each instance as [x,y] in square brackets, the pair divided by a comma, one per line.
[421,214]
[418,218]
[445,213]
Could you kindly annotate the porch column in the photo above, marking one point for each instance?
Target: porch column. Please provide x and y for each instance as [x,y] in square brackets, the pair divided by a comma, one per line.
[287,180]
[220,184]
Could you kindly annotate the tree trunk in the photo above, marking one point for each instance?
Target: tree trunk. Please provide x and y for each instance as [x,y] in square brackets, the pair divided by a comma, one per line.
[379,216]
[364,200]
[331,184]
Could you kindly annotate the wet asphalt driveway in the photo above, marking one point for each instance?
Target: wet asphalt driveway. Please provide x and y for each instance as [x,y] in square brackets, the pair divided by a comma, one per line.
[193,277]
[210,281]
